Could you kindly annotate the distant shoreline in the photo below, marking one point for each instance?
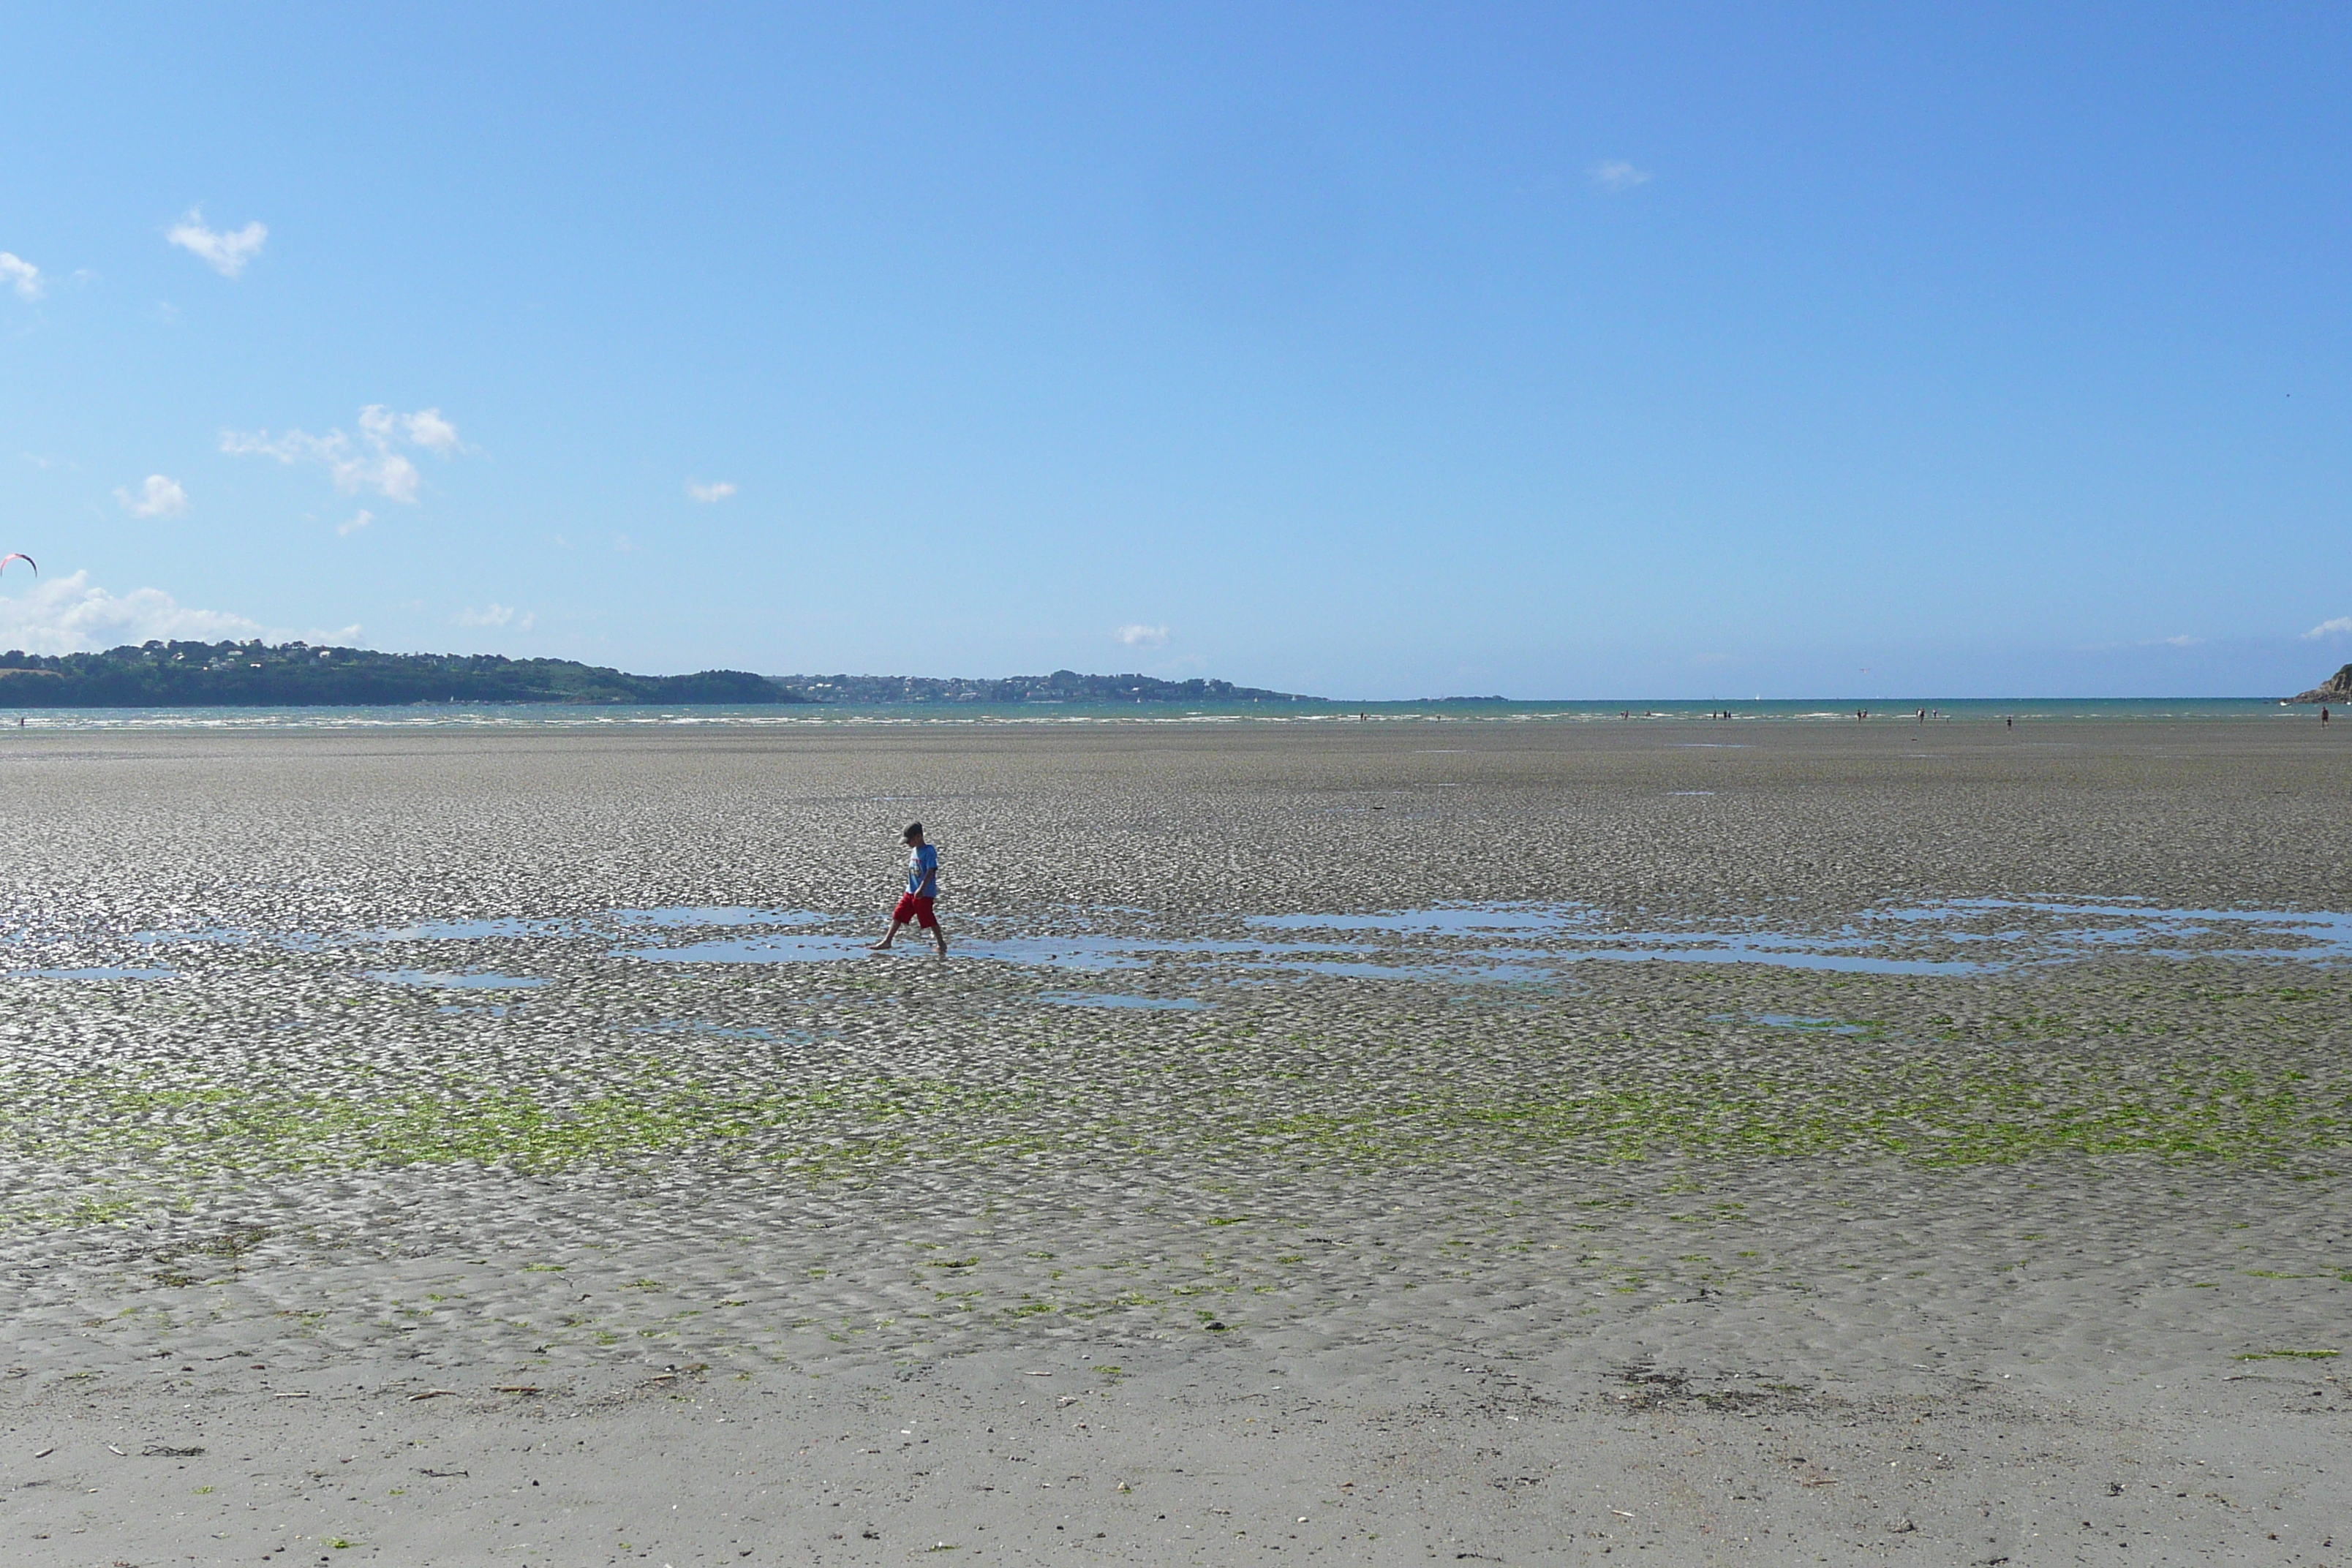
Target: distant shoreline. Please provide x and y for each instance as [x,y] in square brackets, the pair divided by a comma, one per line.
[1698,722]
[252,674]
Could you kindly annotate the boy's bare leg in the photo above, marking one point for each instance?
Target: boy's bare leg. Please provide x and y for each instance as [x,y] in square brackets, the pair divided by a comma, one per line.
[940,935]
[884,945]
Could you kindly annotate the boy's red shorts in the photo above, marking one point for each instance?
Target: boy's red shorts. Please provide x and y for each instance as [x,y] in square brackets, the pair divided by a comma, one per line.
[916,907]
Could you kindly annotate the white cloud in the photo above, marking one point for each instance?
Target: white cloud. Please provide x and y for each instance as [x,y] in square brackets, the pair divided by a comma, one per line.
[707,493]
[495,615]
[424,428]
[68,615]
[1142,637]
[21,275]
[369,463]
[157,497]
[355,524]
[2339,626]
[225,252]
[1619,175]
[2183,641]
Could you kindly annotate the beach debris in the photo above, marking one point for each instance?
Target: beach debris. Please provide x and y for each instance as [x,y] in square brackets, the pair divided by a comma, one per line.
[46,1452]
[1036,1374]
[166,1451]
[518,1388]
[116,1452]
[444,1474]
[1621,1513]
[433,1393]
[14,555]
[298,1393]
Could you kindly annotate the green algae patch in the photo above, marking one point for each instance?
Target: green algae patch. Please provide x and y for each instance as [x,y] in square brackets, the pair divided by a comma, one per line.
[125,1103]
[187,1134]
[1970,1114]
[1985,1110]
[1964,1116]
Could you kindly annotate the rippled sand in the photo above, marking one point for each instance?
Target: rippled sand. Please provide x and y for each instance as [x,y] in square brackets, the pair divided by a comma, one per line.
[1806,1141]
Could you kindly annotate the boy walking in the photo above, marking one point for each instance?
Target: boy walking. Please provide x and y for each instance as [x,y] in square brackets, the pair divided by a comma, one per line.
[922,887]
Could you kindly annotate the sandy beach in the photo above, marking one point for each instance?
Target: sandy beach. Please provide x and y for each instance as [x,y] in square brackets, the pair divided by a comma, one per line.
[1391,1142]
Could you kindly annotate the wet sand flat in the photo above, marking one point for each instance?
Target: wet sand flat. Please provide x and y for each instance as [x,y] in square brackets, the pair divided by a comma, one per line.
[1505,1141]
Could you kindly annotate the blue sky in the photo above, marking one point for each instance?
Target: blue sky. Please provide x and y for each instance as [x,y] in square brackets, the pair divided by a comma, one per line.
[1549,351]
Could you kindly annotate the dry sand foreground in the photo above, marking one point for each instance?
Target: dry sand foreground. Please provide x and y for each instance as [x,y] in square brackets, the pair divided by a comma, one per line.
[1535,1233]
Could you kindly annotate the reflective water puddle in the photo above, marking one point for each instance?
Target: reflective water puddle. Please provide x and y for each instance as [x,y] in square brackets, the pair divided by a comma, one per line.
[728,1032]
[100,972]
[1887,940]
[1790,1021]
[481,982]
[1569,933]
[1492,943]
[1096,951]
[783,948]
[677,917]
[2153,928]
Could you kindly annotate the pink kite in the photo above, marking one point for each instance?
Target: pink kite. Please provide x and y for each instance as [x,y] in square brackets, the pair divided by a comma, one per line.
[26,559]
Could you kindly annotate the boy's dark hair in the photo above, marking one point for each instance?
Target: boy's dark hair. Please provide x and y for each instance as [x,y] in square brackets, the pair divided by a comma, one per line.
[914,830]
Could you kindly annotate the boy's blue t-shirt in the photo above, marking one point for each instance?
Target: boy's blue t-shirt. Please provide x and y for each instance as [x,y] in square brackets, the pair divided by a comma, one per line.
[922,866]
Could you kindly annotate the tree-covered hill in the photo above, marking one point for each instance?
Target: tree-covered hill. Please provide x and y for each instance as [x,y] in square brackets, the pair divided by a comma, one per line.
[297,675]
[249,674]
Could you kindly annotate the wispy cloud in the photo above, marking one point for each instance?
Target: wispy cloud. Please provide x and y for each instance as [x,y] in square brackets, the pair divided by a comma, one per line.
[1619,175]
[2341,625]
[1142,637]
[71,615]
[157,497]
[355,524]
[369,463]
[424,428]
[225,251]
[708,493]
[494,614]
[21,275]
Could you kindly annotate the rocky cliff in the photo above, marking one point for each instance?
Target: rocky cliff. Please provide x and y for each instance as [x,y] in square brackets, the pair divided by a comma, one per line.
[2337,688]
